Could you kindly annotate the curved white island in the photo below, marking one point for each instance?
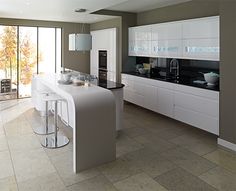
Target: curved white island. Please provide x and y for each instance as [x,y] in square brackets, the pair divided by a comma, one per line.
[92,115]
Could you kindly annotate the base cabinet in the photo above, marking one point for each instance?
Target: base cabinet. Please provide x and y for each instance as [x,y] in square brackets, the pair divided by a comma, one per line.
[194,106]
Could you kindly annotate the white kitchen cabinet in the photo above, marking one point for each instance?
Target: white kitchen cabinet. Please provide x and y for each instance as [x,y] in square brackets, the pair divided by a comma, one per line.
[166,31]
[187,39]
[201,38]
[167,48]
[165,102]
[140,41]
[104,40]
[199,108]
[201,28]
[194,106]
[201,49]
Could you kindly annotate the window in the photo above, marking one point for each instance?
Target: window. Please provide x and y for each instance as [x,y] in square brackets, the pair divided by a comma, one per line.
[25,51]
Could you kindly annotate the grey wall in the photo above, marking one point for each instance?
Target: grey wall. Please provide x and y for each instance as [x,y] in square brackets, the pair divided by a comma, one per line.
[189,10]
[228,71]
[74,60]
[227,12]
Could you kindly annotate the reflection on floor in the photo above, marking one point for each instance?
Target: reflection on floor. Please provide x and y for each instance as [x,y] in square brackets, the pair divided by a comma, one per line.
[153,153]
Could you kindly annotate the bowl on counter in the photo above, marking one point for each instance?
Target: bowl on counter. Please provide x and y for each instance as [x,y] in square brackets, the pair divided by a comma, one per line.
[211,78]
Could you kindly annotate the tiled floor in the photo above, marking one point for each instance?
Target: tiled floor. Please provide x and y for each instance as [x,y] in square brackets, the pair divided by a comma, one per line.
[154,153]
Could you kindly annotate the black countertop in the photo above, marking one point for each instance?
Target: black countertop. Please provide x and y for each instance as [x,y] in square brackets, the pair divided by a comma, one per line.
[110,85]
[182,80]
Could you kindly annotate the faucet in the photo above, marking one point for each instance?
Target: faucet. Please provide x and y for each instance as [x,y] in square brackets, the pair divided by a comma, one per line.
[174,65]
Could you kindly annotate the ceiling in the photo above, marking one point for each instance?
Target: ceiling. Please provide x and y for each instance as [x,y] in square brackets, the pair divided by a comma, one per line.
[137,6]
[64,10]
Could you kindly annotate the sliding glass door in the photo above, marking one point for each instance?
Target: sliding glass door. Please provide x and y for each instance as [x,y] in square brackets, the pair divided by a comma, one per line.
[27,59]
[25,51]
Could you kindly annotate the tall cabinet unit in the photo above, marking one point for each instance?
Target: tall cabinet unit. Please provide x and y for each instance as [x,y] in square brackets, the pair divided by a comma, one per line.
[104,40]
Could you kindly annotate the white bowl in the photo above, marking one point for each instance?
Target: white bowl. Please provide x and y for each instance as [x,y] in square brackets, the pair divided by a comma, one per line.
[211,79]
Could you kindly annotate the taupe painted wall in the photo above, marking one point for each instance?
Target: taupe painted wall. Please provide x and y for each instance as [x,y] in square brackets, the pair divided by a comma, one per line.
[188,10]
[74,60]
[228,71]
[227,12]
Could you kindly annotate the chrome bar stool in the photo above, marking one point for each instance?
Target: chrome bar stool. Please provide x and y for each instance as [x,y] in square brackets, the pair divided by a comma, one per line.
[48,129]
[55,141]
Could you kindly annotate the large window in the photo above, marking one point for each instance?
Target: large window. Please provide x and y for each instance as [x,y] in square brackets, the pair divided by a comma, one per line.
[25,51]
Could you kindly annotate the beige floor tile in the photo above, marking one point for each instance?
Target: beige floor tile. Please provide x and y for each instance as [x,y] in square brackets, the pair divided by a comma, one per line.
[188,161]
[8,184]
[3,143]
[153,142]
[181,180]
[50,182]
[125,145]
[119,169]
[18,128]
[134,131]
[151,163]
[23,142]
[98,183]
[2,132]
[31,163]
[199,144]
[220,178]
[139,182]
[223,158]
[63,164]
[6,168]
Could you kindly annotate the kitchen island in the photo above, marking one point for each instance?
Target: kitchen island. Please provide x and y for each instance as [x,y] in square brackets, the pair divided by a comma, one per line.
[92,116]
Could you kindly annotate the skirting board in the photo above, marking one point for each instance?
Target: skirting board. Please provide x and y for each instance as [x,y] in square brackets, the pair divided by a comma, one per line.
[226,144]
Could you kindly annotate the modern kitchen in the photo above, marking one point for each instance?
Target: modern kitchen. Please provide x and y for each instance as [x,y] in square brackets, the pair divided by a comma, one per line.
[118,95]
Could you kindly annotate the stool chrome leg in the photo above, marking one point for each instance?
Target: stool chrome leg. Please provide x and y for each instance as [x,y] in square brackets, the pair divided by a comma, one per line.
[56,141]
[48,129]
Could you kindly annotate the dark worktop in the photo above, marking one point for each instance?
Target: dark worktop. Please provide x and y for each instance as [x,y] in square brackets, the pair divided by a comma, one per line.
[188,81]
[110,85]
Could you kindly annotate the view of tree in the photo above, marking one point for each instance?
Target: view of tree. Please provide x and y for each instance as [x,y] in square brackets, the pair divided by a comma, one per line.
[8,51]
[8,55]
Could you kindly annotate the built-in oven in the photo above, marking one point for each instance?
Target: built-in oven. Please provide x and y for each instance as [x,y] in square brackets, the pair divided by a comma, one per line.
[102,74]
[102,59]
[102,64]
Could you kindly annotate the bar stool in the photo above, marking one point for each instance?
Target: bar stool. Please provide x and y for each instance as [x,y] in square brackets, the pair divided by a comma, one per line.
[47,129]
[56,141]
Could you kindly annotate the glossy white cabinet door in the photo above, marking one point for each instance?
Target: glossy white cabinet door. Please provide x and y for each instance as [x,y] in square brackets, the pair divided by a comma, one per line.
[197,119]
[165,102]
[111,76]
[140,48]
[201,28]
[201,49]
[150,94]
[167,31]
[166,48]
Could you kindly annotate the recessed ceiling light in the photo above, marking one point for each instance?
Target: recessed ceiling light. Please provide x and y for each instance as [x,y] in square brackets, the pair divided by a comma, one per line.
[80,10]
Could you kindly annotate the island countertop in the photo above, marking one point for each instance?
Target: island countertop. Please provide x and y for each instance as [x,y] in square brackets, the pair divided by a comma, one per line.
[92,115]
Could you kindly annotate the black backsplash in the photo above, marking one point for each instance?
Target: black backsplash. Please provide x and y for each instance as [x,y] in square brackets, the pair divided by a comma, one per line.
[188,68]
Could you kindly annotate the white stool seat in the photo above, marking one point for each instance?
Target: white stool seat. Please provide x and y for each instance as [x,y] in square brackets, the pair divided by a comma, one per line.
[56,141]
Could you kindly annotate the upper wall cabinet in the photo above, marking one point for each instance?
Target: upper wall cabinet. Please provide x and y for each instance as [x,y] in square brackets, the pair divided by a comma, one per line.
[201,28]
[189,39]
[201,38]
[140,41]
